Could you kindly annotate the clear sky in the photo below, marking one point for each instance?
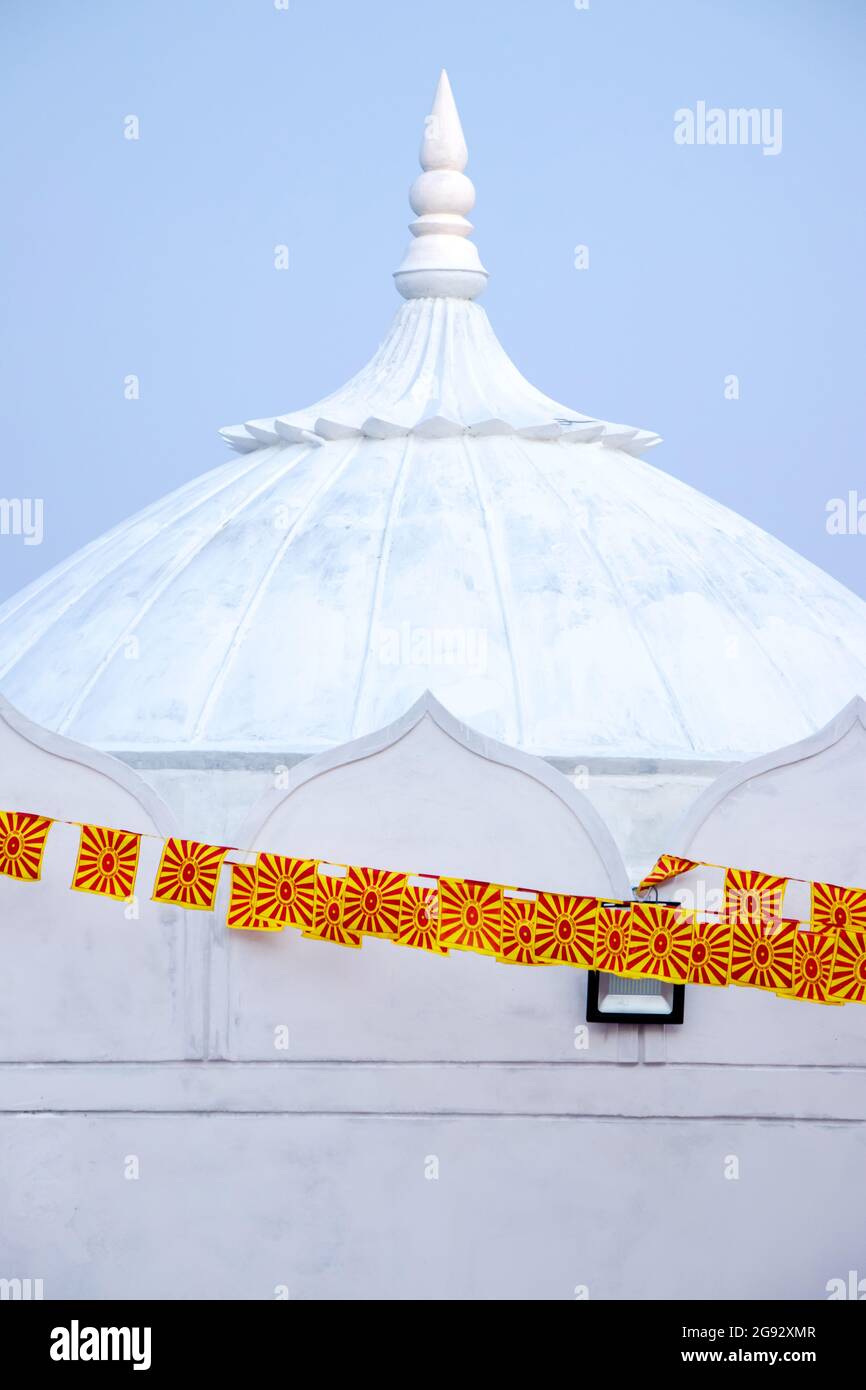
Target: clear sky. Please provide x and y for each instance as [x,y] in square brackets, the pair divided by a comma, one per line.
[299,122]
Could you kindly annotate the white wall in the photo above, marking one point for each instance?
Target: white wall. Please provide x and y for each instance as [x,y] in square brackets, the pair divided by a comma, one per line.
[558,1165]
[79,979]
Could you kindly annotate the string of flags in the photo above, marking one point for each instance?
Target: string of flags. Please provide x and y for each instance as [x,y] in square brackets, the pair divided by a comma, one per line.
[749,942]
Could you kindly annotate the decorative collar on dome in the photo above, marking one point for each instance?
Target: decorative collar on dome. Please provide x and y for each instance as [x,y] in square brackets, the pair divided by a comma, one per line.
[441,369]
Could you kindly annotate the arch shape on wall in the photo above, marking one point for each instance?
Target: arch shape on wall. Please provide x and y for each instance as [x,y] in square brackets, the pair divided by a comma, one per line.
[59,746]
[483,746]
[818,749]
[425,794]
[95,979]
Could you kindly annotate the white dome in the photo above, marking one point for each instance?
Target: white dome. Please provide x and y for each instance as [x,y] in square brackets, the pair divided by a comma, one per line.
[438,524]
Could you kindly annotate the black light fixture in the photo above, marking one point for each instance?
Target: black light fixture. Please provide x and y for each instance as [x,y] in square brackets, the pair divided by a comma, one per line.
[611,999]
[614,999]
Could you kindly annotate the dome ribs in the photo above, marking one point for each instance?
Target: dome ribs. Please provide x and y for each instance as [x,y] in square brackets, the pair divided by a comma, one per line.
[494,551]
[149,513]
[654,661]
[246,617]
[166,578]
[440,368]
[725,601]
[379,586]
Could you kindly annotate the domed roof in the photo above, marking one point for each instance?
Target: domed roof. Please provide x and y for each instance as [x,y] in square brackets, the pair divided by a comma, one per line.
[438,523]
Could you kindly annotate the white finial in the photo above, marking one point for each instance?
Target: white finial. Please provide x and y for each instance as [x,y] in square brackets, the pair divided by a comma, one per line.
[440,261]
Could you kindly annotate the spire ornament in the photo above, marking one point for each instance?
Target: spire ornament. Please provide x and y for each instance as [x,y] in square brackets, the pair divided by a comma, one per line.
[440,261]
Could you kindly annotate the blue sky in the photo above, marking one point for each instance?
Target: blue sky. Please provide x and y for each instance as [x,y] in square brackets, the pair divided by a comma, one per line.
[262,125]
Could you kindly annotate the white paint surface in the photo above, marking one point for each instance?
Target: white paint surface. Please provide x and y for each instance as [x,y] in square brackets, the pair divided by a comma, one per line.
[570,600]
[79,980]
[558,1167]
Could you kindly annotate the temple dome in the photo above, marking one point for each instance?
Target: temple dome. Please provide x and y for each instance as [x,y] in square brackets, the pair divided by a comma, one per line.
[437,523]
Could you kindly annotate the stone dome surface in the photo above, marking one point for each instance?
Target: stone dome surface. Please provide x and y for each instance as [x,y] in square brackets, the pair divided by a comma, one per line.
[437,523]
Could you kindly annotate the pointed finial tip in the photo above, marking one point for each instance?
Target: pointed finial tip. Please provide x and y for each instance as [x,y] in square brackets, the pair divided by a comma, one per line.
[441,261]
[443,145]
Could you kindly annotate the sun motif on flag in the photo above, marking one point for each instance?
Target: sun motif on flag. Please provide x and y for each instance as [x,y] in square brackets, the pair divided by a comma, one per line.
[762,956]
[753,898]
[840,908]
[813,965]
[242,902]
[667,866]
[107,862]
[611,938]
[660,942]
[848,980]
[22,844]
[328,911]
[710,958]
[285,890]
[470,915]
[565,929]
[419,918]
[518,931]
[188,874]
[372,901]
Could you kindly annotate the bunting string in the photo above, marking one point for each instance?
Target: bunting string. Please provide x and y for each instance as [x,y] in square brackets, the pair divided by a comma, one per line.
[748,941]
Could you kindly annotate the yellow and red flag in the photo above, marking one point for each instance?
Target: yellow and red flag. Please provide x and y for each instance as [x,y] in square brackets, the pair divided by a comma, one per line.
[710,959]
[107,862]
[419,918]
[22,844]
[328,911]
[848,981]
[518,931]
[611,938]
[752,897]
[188,874]
[667,866]
[762,954]
[372,901]
[285,890]
[839,908]
[242,902]
[660,942]
[565,930]
[813,965]
[470,915]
